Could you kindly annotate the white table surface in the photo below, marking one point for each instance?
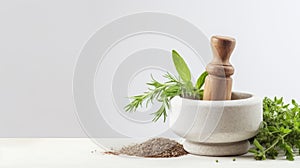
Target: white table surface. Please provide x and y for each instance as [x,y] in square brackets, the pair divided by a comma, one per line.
[77,152]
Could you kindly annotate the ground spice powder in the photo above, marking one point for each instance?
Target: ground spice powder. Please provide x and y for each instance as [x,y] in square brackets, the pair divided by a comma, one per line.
[154,148]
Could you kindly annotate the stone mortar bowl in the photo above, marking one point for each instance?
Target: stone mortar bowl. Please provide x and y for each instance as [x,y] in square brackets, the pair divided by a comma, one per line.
[216,128]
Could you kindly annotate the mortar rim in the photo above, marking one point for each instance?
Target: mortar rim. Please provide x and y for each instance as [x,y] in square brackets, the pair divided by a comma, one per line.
[248,100]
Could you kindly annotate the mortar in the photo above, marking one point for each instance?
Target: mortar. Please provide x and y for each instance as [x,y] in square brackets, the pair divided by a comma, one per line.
[219,127]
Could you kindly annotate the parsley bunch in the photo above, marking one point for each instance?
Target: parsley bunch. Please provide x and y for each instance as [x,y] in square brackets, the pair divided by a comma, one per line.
[280,131]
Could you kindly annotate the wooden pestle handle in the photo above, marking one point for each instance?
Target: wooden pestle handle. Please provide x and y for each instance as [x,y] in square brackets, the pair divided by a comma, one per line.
[218,83]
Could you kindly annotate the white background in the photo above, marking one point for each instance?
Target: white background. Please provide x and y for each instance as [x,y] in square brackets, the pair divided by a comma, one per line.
[41,40]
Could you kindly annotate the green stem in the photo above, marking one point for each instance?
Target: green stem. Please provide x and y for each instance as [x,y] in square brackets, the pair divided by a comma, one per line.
[276,142]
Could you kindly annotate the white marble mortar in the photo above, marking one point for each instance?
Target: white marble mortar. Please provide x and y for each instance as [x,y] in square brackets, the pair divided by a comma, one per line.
[216,128]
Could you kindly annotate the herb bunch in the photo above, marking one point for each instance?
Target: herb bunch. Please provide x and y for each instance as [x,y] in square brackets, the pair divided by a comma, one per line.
[163,92]
[280,131]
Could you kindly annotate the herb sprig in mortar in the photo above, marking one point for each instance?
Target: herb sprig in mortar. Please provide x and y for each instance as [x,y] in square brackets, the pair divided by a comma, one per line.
[174,86]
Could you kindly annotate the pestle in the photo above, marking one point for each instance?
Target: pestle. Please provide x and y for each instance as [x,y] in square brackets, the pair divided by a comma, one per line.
[218,83]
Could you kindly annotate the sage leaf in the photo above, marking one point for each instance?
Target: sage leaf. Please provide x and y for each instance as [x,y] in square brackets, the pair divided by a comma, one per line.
[181,67]
[201,80]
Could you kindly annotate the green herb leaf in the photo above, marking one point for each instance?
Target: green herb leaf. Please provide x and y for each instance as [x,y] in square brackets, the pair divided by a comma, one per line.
[258,145]
[252,150]
[181,67]
[201,80]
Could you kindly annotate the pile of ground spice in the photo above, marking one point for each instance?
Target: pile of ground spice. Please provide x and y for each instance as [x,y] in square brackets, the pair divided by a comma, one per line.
[154,148]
